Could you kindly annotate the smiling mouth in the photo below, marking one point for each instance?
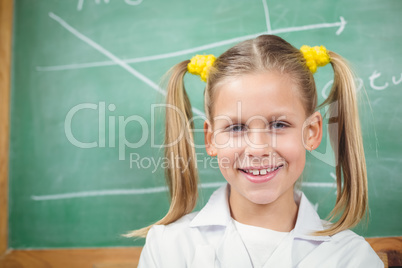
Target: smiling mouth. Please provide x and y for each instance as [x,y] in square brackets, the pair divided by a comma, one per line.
[260,172]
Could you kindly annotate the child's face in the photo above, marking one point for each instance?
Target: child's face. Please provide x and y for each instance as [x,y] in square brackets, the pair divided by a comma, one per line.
[267,104]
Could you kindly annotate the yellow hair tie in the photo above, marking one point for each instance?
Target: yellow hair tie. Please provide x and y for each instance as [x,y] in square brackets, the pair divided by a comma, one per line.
[315,57]
[200,65]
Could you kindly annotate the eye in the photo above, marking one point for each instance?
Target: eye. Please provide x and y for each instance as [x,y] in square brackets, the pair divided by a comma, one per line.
[279,125]
[236,128]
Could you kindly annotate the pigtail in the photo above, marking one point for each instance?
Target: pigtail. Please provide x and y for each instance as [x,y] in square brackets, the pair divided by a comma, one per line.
[181,174]
[346,139]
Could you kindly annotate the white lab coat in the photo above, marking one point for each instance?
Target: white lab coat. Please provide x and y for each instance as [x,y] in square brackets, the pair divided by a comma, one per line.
[209,238]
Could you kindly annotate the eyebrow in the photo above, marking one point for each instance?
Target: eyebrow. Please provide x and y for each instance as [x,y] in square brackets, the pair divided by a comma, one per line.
[275,115]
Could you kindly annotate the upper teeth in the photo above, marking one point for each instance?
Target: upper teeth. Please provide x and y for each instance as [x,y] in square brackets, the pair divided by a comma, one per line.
[260,171]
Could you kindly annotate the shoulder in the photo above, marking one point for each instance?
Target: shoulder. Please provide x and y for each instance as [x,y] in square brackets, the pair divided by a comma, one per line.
[168,244]
[183,222]
[349,238]
[193,226]
[173,229]
[352,250]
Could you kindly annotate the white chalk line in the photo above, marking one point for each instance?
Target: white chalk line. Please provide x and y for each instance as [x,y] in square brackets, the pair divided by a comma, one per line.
[99,193]
[116,192]
[79,6]
[340,24]
[267,20]
[115,59]
[150,58]
[147,191]
[319,184]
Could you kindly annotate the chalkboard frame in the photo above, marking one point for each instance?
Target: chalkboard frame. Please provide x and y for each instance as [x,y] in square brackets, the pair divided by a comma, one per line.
[94,257]
[6,11]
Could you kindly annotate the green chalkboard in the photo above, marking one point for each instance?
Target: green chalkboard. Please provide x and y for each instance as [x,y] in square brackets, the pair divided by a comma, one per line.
[86,128]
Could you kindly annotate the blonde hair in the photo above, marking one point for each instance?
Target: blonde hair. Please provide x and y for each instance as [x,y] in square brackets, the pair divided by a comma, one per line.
[268,53]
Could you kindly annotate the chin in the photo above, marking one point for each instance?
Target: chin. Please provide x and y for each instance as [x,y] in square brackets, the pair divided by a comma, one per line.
[261,197]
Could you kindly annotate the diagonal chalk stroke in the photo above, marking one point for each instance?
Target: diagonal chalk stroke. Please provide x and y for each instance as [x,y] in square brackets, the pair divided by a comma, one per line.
[80,3]
[341,24]
[108,54]
[146,191]
[114,59]
[267,19]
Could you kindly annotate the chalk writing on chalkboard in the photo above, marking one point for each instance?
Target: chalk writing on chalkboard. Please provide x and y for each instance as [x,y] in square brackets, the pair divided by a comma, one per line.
[384,85]
[124,64]
[114,60]
[129,2]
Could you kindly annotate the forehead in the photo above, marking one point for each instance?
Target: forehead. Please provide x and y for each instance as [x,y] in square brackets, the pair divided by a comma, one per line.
[264,94]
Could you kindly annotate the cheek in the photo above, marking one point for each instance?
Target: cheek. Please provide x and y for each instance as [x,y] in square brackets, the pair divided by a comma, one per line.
[227,158]
[290,147]
[295,154]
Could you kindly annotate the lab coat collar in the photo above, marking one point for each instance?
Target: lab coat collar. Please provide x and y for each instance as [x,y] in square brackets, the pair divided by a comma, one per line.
[307,220]
[217,212]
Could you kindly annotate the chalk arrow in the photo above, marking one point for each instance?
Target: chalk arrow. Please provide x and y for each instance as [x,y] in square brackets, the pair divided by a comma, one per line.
[341,24]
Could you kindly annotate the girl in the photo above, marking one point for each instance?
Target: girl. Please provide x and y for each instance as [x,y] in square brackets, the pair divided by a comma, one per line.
[260,104]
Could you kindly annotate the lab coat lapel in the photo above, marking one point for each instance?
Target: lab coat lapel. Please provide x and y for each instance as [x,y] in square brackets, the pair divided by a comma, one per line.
[282,256]
[204,257]
[227,251]
[232,252]
[289,253]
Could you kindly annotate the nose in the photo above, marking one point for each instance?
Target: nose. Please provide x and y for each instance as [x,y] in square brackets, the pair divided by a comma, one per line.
[258,142]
